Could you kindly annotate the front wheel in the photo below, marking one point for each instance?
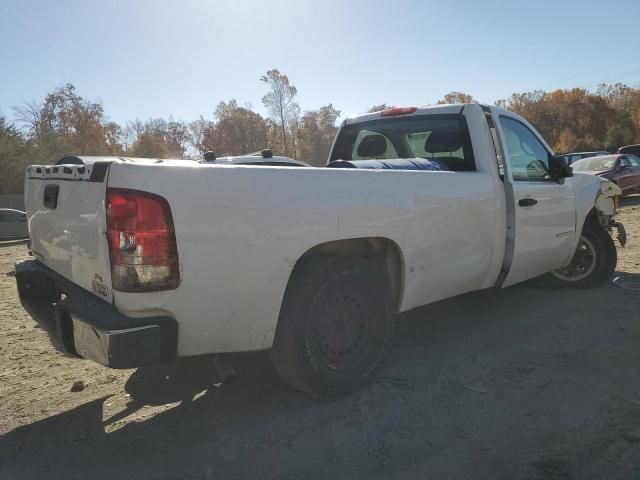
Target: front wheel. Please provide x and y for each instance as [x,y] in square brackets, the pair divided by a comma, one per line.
[593,262]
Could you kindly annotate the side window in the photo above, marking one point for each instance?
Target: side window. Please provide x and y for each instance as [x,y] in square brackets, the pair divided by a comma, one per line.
[635,161]
[624,162]
[498,150]
[527,156]
[497,147]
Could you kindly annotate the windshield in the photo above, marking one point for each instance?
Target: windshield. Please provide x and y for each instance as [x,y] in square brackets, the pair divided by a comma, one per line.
[594,164]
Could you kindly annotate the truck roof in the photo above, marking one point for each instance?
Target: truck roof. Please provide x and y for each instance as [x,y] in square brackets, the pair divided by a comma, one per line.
[424,110]
[433,109]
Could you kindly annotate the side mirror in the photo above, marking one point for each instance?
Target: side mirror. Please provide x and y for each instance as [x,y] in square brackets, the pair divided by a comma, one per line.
[558,167]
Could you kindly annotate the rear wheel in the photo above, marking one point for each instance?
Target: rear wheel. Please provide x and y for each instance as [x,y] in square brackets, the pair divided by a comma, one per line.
[593,262]
[335,325]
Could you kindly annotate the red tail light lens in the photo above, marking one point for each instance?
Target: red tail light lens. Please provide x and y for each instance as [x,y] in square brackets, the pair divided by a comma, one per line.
[142,242]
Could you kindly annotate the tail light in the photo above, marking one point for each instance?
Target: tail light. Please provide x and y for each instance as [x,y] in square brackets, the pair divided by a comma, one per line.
[393,112]
[142,242]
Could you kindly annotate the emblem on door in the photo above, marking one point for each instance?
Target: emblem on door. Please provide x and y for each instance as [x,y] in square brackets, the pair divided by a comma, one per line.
[564,234]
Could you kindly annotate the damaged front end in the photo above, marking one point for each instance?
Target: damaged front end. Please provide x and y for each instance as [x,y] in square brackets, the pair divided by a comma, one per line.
[606,207]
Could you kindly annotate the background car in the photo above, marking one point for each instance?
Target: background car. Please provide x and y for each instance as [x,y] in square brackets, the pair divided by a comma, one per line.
[623,170]
[630,149]
[575,156]
[13,224]
[264,157]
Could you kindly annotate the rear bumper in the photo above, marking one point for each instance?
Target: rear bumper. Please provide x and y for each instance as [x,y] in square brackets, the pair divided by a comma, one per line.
[82,325]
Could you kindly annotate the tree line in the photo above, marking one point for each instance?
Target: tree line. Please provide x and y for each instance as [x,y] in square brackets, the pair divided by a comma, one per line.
[66,123]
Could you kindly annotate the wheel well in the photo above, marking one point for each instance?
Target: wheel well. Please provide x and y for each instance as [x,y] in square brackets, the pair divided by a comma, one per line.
[592,215]
[371,248]
[595,217]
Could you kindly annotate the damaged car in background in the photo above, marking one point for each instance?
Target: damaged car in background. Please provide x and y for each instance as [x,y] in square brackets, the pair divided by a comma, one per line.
[623,170]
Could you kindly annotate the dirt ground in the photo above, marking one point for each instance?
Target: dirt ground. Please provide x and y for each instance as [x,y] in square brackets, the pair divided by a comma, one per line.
[520,384]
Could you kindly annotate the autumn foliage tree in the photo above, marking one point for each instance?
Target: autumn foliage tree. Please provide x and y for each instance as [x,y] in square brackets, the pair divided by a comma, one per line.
[149,145]
[16,152]
[577,119]
[316,133]
[457,97]
[238,130]
[65,122]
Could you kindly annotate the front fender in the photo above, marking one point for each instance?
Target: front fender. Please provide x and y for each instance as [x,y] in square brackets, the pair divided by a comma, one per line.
[592,192]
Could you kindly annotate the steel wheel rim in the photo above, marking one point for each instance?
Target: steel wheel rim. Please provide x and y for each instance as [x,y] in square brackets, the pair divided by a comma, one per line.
[345,330]
[582,264]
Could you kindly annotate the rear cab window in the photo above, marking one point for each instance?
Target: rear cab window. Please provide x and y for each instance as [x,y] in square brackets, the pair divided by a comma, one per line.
[441,138]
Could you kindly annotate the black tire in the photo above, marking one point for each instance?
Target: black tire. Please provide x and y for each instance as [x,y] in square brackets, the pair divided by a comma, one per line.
[335,325]
[603,265]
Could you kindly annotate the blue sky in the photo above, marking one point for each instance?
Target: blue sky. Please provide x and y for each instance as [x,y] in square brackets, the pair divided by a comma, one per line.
[147,59]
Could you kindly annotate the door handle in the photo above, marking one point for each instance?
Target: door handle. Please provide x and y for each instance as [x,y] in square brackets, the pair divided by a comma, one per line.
[527,202]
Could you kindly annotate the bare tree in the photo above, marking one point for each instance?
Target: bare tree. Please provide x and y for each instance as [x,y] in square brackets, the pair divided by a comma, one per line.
[379,108]
[280,101]
[30,115]
[130,134]
[199,130]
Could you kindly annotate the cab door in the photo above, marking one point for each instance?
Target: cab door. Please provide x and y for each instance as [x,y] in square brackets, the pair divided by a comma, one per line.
[542,233]
[628,169]
[625,174]
[635,177]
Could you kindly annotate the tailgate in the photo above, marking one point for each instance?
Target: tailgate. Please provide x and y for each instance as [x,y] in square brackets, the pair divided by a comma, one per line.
[65,207]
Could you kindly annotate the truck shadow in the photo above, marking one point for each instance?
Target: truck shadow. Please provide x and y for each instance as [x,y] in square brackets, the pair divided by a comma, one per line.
[186,378]
[254,427]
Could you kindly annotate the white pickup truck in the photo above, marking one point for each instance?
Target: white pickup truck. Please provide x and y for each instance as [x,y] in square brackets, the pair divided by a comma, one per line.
[138,261]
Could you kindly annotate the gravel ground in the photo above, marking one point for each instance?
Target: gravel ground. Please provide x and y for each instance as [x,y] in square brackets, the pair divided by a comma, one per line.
[519,383]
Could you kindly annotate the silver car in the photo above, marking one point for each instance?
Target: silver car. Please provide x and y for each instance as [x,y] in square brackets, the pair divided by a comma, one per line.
[13,224]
